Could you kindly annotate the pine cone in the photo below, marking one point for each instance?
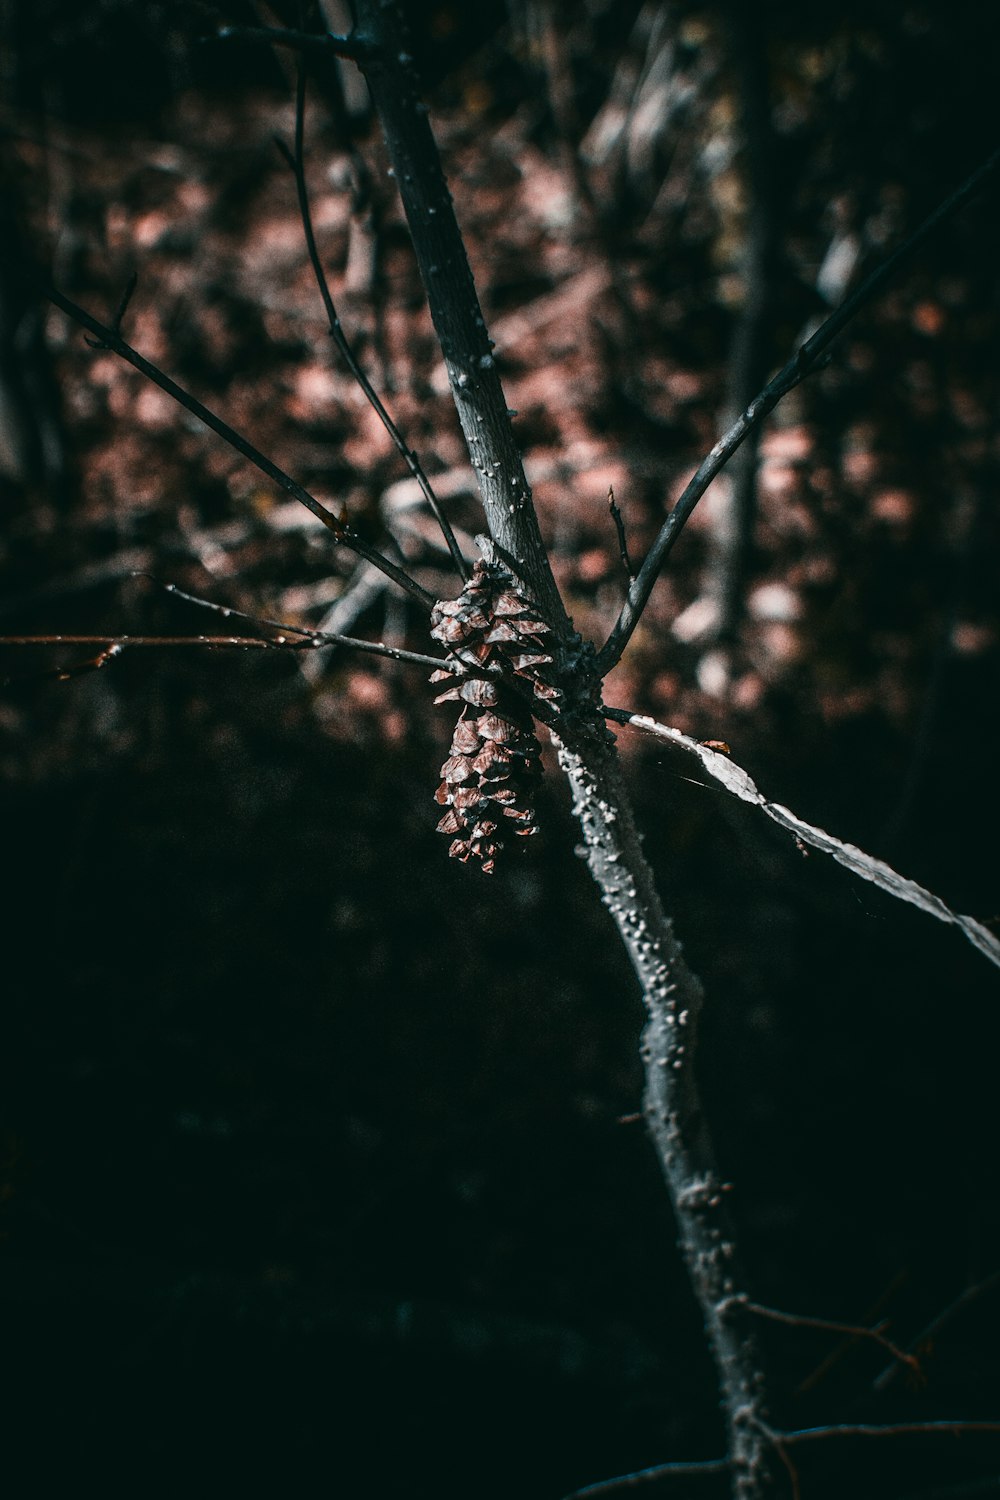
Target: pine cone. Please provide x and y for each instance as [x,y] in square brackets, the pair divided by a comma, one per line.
[495,759]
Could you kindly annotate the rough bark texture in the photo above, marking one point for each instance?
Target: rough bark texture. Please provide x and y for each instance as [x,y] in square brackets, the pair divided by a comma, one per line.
[674,1117]
[671,993]
[454,304]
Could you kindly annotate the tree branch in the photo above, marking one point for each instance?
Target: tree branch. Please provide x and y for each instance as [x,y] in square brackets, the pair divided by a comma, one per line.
[454,304]
[586,753]
[640,1477]
[803,363]
[737,782]
[342,533]
[619,522]
[327,43]
[296,161]
[306,640]
[778,1439]
[114,647]
[311,636]
[672,1107]
[941,1320]
[827,1325]
[891,1429]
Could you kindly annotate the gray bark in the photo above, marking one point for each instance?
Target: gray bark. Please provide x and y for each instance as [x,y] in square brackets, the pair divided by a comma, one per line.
[586,751]
[675,1119]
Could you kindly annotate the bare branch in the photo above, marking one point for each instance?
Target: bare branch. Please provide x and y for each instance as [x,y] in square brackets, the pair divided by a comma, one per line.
[108,338]
[943,1318]
[803,363]
[454,305]
[775,1440]
[616,516]
[816,1376]
[651,1475]
[672,994]
[122,640]
[354,48]
[296,161]
[827,1325]
[126,298]
[309,636]
[740,784]
[893,1429]
[305,640]
[115,646]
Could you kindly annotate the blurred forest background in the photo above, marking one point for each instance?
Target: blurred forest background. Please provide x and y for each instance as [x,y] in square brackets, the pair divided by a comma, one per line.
[315,1166]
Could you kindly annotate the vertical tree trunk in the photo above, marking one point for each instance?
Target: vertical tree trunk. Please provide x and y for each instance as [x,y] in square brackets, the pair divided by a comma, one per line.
[586,751]
[672,1106]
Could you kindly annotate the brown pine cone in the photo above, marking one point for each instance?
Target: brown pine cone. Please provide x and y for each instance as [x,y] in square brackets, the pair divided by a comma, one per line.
[495,759]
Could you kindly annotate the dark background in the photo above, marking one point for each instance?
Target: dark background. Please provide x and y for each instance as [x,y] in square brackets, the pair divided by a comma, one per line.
[316,1170]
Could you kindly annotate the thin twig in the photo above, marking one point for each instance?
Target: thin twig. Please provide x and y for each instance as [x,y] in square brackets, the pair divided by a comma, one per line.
[890,1429]
[459,663]
[296,160]
[944,1317]
[650,1476]
[618,519]
[312,637]
[354,48]
[803,362]
[850,1330]
[115,647]
[776,1442]
[123,639]
[126,298]
[817,1375]
[108,338]
[305,640]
